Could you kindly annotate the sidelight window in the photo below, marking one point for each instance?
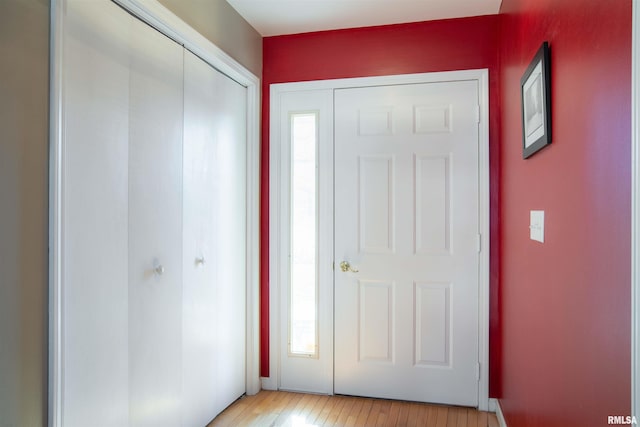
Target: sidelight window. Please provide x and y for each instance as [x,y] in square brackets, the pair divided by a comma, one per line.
[303,303]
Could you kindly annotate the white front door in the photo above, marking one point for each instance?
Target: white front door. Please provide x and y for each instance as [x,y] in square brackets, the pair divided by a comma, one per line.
[407,222]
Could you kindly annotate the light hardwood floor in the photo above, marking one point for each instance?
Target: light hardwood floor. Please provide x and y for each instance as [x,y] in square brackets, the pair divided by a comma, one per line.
[277,408]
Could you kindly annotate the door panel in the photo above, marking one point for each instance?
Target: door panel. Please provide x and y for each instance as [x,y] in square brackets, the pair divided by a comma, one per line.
[376,220]
[309,370]
[433,325]
[200,216]
[95,205]
[214,202]
[230,198]
[155,228]
[406,219]
[433,210]
[375,331]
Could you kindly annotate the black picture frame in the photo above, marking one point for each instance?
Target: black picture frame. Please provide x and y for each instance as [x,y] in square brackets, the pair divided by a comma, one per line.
[535,91]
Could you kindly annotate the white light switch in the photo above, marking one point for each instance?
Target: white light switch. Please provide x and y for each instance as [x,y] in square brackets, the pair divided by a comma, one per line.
[536,226]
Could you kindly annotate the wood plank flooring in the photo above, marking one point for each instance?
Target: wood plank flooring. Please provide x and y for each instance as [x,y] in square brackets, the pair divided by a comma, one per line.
[278,408]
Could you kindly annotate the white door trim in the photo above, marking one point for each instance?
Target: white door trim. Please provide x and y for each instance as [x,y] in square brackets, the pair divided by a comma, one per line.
[502,422]
[159,17]
[275,257]
[635,212]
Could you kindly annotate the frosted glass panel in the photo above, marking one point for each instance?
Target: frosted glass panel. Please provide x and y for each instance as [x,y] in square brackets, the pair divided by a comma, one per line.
[303,337]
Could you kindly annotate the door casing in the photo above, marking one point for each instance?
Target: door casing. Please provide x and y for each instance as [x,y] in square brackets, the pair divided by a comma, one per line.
[635,212]
[278,269]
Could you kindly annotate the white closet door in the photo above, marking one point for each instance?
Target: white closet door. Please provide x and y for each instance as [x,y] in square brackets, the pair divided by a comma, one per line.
[95,315]
[199,328]
[155,228]
[230,168]
[154,240]
[214,242]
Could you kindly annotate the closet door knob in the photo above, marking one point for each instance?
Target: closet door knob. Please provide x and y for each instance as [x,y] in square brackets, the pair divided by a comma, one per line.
[159,270]
[200,260]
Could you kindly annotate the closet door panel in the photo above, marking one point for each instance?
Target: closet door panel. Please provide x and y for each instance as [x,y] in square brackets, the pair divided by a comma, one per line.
[155,229]
[230,233]
[95,195]
[200,346]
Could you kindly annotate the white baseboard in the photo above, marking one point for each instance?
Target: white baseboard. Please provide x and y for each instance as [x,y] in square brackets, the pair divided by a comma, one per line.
[499,415]
[269,383]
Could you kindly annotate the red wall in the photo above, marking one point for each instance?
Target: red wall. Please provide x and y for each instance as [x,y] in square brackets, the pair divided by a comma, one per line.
[565,304]
[468,43]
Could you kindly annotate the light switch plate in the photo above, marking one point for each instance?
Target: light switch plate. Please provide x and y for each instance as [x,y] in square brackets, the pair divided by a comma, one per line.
[536,226]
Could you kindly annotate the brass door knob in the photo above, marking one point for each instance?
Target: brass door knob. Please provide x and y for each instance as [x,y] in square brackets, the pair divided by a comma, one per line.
[345,267]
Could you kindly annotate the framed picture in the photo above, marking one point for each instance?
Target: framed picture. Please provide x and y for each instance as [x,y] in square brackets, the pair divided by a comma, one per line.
[535,88]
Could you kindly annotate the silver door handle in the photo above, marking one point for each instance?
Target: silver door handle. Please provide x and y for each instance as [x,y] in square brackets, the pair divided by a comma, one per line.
[159,270]
[200,260]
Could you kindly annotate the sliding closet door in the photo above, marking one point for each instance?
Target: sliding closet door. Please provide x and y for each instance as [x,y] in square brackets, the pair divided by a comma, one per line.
[200,348]
[94,316]
[230,168]
[155,229]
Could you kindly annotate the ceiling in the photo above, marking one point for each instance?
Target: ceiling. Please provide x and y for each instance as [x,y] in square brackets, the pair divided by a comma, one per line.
[277,17]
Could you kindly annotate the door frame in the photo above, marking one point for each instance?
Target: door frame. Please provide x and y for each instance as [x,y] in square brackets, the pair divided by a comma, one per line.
[635,211]
[278,248]
[163,20]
